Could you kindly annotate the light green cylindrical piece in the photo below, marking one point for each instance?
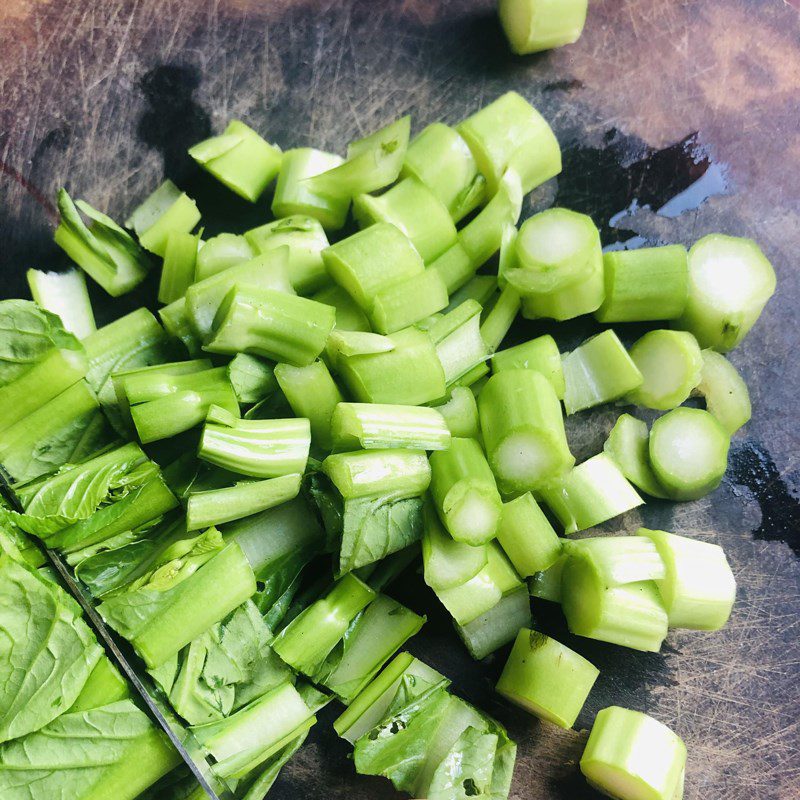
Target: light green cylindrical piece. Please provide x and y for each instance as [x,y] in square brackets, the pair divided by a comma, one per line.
[498,626]
[442,160]
[628,444]
[535,25]
[465,493]
[632,756]
[294,195]
[372,472]
[499,320]
[510,132]
[527,537]
[413,208]
[688,452]
[724,391]
[546,678]
[523,430]
[540,354]
[730,282]
[178,269]
[64,294]
[349,316]
[460,413]
[650,283]
[408,301]
[373,426]
[219,253]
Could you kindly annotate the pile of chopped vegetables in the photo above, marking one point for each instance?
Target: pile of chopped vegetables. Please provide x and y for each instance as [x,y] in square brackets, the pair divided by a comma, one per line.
[238,485]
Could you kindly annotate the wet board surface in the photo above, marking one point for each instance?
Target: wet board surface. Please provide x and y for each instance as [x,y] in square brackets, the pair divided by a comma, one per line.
[676,120]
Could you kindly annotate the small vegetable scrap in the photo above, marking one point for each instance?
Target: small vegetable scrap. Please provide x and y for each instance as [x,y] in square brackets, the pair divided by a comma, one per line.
[239,485]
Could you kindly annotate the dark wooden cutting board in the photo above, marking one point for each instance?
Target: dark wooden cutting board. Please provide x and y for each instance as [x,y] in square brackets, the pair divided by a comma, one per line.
[676,119]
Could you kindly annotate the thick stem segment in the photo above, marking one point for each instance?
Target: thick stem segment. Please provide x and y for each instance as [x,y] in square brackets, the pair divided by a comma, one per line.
[372,427]
[698,588]
[408,301]
[535,25]
[628,444]
[459,344]
[441,159]
[591,493]
[367,473]
[651,283]
[597,372]
[177,325]
[724,391]
[305,237]
[465,493]
[240,159]
[688,452]
[218,506]
[547,585]
[460,413]
[416,211]
[410,374]
[546,678]
[620,559]
[296,195]
[313,394]
[730,282]
[523,430]
[220,253]
[178,269]
[167,210]
[499,320]
[540,355]
[271,324]
[527,537]
[64,294]
[671,367]
[632,755]
[264,448]
[510,133]
[498,626]
[349,316]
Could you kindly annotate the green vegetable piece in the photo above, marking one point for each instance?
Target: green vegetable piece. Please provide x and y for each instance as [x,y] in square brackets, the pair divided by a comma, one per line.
[523,430]
[167,210]
[217,506]
[273,324]
[650,283]
[105,685]
[546,678]
[408,301]
[64,294]
[220,253]
[459,344]
[631,614]
[252,378]
[355,343]
[372,426]
[498,626]
[308,639]
[671,365]
[312,393]
[305,237]
[539,354]
[632,756]
[372,163]
[730,282]
[240,159]
[465,493]
[441,159]
[366,473]
[410,374]
[698,588]
[416,211]
[724,390]
[598,371]
[102,249]
[180,264]
[264,448]
[460,413]
[510,133]
[591,493]
[526,536]
[688,452]
[499,320]
[621,559]
[535,25]
[547,585]
[628,445]
[176,322]
[349,316]
[295,194]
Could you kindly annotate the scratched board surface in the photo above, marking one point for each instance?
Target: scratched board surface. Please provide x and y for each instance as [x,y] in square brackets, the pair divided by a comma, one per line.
[676,120]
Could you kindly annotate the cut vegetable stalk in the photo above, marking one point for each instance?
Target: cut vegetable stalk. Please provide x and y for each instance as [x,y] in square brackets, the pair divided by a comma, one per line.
[167,210]
[688,452]
[523,430]
[176,323]
[408,301]
[597,372]
[217,506]
[499,320]
[724,390]
[698,588]
[349,316]
[650,283]
[252,379]
[547,585]
[465,493]
[372,426]
[535,25]
[459,344]
[240,159]
[64,294]
[526,536]
[178,269]
[267,448]
[540,355]
[460,413]
[367,473]
[546,678]
[498,626]
[620,559]
[628,445]
[591,493]
[220,253]
[272,324]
